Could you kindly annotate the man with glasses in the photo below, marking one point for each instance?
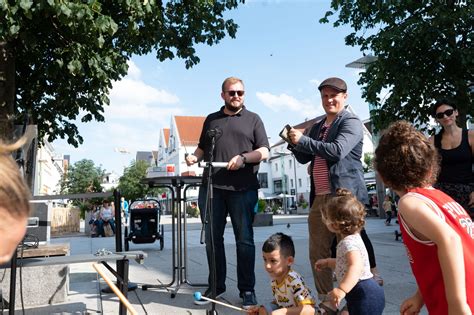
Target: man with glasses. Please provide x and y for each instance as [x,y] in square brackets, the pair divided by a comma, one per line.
[334,148]
[241,142]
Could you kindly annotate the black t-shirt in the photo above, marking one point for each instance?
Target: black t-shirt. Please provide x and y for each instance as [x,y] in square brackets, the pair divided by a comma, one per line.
[240,133]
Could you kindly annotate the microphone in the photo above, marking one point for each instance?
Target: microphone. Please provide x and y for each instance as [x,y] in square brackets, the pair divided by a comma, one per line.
[214,132]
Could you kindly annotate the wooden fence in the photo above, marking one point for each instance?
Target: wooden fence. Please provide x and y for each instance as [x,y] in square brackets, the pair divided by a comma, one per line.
[65,220]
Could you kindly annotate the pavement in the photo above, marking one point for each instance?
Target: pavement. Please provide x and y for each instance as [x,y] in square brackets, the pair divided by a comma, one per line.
[85,296]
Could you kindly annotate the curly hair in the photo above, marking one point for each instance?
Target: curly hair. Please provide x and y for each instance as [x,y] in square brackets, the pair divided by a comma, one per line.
[14,194]
[405,158]
[345,212]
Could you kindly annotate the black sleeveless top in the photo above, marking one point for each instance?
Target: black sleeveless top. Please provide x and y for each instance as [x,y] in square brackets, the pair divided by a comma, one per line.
[456,164]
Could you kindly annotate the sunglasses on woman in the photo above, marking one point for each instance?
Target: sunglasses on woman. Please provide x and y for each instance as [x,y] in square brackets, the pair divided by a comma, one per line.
[232,93]
[447,112]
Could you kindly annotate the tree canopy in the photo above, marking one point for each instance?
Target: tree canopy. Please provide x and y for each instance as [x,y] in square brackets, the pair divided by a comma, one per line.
[131,183]
[82,177]
[424,51]
[58,58]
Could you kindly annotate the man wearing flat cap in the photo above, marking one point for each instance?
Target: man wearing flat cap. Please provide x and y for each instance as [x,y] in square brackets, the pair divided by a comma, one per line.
[334,148]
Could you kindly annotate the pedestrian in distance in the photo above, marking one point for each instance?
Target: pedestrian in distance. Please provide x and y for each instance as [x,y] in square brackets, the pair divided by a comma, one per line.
[345,216]
[290,293]
[387,207]
[333,146]
[437,231]
[241,142]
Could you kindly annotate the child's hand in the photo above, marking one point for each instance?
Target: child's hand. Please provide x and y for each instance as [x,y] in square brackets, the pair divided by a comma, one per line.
[335,296]
[321,264]
[253,310]
[412,305]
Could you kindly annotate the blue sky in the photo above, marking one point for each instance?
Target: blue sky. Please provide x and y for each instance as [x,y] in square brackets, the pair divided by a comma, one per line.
[281,52]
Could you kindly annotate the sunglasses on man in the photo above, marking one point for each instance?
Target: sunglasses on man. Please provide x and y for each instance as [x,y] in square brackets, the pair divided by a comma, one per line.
[232,93]
[447,112]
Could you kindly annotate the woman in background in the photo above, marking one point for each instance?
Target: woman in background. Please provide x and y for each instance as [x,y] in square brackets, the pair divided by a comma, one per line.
[456,147]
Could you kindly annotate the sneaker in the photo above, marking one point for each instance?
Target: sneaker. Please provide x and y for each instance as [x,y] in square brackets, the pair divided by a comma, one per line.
[208,294]
[249,299]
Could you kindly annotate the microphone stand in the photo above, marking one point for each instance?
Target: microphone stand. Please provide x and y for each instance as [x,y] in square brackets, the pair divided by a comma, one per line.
[208,220]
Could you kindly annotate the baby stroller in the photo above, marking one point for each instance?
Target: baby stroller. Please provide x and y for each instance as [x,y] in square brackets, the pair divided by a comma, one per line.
[144,223]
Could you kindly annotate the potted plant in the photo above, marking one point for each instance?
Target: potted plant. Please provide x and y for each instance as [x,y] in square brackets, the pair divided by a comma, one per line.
[302,205]
[262,217]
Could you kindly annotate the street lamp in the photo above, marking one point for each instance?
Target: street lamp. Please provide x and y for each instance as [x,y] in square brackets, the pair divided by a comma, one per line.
[122,152]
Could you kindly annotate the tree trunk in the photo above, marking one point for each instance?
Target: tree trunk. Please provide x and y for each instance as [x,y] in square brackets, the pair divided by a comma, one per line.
[7,92]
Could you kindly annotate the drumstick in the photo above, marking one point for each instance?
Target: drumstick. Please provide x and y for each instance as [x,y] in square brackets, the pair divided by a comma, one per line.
[114,288]
[198,296]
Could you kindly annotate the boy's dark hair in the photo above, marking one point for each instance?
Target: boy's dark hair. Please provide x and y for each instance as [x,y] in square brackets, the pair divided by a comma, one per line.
[440,102]
[405,158]
[282,242]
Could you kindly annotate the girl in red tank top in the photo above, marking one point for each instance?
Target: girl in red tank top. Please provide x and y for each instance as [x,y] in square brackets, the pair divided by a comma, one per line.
[437,232]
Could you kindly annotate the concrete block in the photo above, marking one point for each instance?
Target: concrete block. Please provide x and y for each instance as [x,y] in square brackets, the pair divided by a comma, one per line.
[40,285]
[263,219]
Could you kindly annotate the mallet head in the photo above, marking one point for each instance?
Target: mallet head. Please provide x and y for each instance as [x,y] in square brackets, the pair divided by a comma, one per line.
[197,295]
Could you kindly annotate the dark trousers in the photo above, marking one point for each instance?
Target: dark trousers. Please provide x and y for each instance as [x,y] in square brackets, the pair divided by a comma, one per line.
[366,298]
[389,217]
[239,205]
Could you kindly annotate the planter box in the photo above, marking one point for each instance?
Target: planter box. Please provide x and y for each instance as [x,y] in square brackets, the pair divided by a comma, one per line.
[302,211]
[263,219]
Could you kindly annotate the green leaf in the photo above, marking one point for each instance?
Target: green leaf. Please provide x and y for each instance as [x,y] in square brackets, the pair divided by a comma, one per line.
[65,10]
[26,4]
[14,29]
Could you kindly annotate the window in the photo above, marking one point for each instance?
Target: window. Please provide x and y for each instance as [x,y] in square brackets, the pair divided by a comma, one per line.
[291,183]
[263,180]
[290,163]
[277,186]
[299,182]
[276,167]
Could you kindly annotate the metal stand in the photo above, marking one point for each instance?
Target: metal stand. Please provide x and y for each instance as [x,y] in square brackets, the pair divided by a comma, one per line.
[176,184]
[208,219]
[122,265]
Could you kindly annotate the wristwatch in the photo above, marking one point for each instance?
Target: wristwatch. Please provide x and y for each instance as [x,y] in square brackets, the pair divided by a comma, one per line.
[244,159]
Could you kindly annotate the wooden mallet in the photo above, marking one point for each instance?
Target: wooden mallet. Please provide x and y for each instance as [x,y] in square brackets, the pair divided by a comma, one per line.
[198,296]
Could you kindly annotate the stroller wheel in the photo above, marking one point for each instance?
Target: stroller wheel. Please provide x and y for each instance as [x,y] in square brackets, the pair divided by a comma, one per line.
[162,242]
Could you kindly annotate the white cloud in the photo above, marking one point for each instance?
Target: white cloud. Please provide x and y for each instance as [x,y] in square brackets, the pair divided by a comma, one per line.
[285,102]
[130,91]
[133,71]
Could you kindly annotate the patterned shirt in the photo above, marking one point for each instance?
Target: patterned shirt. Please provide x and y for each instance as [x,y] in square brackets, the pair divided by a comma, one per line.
[348,244]
[292,291]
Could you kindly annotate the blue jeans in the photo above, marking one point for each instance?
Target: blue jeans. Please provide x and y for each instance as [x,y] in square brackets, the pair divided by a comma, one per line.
[239,205]
[100,226]
[366,298]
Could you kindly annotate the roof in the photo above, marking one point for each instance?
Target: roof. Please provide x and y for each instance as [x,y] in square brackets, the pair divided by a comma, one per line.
[189,129]
[166,133]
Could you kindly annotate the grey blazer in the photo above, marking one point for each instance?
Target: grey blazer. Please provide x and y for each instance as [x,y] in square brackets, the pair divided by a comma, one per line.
[342,151]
